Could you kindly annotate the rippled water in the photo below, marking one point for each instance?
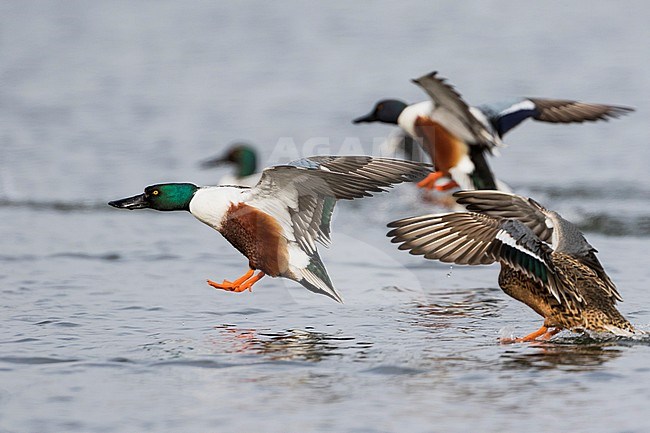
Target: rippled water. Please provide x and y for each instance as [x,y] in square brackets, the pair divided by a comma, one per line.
[108,325]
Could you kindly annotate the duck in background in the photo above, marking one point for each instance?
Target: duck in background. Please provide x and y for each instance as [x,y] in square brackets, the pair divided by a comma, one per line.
[244,157]
[277,223]
[457,136]
[546,262]
[453,137]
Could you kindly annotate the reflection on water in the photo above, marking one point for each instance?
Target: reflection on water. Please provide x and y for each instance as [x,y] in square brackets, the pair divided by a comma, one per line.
[573,352]
[475,304]
[293,344]
[568,357]
[468,303]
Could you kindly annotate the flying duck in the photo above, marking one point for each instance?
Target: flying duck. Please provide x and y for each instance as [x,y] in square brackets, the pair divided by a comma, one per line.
[277,223]
[457,136]
[546,262]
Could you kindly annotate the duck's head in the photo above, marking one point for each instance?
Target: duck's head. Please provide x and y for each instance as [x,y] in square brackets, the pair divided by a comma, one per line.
[386,111]
[241,154]
[164,196]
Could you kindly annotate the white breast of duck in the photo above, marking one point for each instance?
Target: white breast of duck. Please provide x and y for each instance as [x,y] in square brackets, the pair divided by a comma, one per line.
[409,115]
[440,115]
[267,243]
[210,205]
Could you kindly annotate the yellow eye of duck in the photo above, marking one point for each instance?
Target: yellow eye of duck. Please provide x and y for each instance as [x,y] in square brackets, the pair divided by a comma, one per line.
[155,192]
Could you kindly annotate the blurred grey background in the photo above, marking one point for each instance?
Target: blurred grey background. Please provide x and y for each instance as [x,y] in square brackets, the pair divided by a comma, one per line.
[98,98]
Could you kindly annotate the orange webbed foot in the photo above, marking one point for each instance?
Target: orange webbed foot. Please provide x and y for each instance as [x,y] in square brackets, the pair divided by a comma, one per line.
[249,284]
[226,285]
[542,334]
[242,283]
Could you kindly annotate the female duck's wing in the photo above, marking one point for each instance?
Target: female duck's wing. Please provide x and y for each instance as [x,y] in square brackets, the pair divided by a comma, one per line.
[470,238]
[445,97]
[506,205]
[505,116]
[301,195]
[547,225]
[460,237]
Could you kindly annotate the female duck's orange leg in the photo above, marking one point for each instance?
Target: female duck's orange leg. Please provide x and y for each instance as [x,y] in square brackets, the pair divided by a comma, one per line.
[549,334]
[542,333]
[430,181]
[533,335]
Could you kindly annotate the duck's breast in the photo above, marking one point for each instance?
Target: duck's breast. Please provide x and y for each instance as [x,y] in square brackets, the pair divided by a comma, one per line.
[210,204]
[258,236]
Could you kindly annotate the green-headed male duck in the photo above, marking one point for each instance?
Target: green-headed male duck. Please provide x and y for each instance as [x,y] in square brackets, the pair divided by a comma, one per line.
[277,223]
[244,157]
[457,136]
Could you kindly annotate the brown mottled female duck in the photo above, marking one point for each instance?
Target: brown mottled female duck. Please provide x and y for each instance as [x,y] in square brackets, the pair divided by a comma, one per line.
[546,262]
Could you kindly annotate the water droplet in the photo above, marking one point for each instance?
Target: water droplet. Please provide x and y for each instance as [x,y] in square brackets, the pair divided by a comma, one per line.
[451,268]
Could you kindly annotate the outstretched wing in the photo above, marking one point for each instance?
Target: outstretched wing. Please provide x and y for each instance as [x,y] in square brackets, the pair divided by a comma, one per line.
[567,111]
[504,117]
[470,238]
[445,97]
[301,195]
[505,205]
[460,237]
